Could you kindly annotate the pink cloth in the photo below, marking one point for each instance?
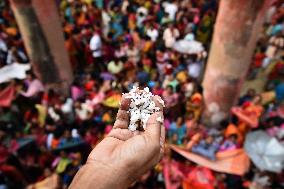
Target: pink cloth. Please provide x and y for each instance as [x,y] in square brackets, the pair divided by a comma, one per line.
[6,96]
[170,99]
[108,129]
[34,88]
[273,131]
[76,93]
[167,124]
[172,174]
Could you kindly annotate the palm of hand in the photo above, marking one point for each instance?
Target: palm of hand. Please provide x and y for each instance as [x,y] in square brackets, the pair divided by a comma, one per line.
[131,152]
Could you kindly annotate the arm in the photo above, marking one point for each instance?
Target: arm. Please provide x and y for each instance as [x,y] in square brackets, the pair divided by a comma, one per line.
[101,176]
[123,156]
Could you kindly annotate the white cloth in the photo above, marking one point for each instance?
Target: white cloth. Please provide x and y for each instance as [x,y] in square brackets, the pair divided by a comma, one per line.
[133,55]
[170,37]
[270,12]
[96,46]
[171,9]
[53,114]
[84,111]
[124,6]
[75,134]
[141,15]
[3,46]
[13,71]
[152,33]
[67,106]
[189,36]
[11,57]
[106,20]
[49,140]
[194,70]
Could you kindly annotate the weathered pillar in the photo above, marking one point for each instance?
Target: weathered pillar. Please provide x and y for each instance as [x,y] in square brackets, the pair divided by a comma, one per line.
[236,32]
[40,27]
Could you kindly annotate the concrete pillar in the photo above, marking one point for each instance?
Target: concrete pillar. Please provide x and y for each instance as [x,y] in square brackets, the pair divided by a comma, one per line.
[40,27]
[236,32]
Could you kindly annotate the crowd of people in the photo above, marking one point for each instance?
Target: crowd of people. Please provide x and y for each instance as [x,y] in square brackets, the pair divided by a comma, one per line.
[114,45]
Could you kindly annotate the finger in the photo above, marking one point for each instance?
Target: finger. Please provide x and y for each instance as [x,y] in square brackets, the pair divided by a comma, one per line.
[162,141]
[153,126]
[122,118]
[121,134]
[159,102]
[125,102]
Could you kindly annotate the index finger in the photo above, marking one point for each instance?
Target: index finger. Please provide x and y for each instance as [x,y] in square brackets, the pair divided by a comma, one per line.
[122,117]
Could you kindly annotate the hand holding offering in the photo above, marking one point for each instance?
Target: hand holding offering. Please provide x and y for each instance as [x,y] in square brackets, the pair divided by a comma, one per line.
[127,152]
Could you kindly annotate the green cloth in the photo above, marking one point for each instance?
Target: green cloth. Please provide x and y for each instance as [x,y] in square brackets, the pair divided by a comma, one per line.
[62,164]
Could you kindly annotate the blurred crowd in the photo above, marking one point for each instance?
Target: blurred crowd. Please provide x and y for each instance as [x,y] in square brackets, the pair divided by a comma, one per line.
[114,45]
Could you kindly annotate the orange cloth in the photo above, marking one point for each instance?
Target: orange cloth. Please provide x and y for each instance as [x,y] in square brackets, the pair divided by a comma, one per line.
[196,98]
[54,143]
[11,31]
[233,130]
[243,128]
[106,117]
[249,114]
[232,161]
[199,178]
[147,46]
[81,20]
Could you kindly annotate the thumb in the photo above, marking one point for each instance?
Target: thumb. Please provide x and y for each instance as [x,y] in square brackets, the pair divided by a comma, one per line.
[155,122]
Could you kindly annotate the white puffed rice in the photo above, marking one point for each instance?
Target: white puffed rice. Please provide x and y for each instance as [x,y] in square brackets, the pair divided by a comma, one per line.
[141,107]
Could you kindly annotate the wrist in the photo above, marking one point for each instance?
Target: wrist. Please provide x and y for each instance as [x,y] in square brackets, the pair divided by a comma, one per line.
[102,176]
[110,176]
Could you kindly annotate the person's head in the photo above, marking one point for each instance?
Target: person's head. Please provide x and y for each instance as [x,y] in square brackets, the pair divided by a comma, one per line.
[175,138]
[233,138]
[251,92]
[166,15]
[77,105]
[30,76]
[88,77]
[209,139]
[13,49]
[47,172]
[190,115]
[171,77]
[169,89]
[171,26]
[179,120]
[63,154]
[157,85]
[67,134]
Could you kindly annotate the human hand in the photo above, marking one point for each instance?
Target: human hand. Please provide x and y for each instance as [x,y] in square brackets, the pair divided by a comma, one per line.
[123,156]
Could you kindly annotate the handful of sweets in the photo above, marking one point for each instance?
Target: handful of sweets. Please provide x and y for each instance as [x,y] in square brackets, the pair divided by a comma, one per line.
[141,107]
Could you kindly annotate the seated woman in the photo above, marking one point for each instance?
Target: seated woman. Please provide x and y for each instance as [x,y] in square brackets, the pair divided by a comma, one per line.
[206,147]
[170,97]
[177,131]
[194,104]
[249,114]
